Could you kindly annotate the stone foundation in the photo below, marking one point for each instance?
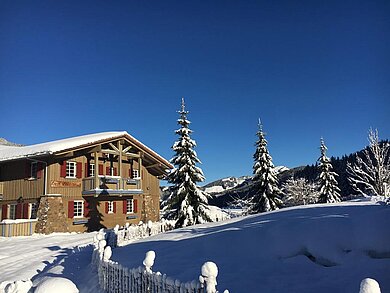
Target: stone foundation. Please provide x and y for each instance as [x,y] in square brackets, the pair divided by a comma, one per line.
[51,215]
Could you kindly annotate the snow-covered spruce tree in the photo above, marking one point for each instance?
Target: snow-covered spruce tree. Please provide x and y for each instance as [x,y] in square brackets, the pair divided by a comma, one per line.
[328,188]
[267,192]
[299,191]
[371,173]
[187,204]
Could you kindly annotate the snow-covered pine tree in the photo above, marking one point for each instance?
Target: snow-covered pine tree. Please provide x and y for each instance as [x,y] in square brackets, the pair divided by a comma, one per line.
[329,190]
[187,204]
[371,173]
[266,197]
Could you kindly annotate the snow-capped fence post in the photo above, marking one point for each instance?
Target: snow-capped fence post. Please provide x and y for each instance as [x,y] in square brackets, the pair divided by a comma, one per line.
[209,274]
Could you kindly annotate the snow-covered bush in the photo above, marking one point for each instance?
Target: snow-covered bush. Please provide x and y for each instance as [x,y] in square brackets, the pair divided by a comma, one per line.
[369,286]
[57,285]
[18,287]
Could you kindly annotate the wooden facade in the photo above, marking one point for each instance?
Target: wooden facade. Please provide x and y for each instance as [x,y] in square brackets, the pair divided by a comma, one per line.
[98,184]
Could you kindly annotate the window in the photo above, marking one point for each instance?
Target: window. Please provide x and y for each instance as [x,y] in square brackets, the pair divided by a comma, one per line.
[110,208]
[78,208]
[91,170]
[33,210]
[135,174]
[71,169]
[34,170]
[129,206]
[12,211]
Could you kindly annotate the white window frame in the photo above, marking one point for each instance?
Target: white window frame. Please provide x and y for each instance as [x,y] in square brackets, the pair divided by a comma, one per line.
[91,170]
[12,211]
[77,211]
[130,206]
[34,170]
[136,174]
[69,166]
[33,209]
[110,209]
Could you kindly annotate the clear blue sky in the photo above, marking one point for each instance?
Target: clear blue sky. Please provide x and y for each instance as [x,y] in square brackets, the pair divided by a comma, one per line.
[306,68]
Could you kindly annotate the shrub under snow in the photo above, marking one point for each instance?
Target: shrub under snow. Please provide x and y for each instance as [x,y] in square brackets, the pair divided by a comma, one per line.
[57,285]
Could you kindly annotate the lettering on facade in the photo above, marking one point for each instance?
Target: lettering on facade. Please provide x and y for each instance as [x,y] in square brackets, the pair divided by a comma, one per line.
[57,183]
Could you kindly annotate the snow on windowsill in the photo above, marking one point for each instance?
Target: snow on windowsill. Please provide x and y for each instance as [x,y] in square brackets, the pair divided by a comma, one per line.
[17,221]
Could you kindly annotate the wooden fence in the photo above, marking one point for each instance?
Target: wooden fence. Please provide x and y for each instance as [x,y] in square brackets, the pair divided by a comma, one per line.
[9,228]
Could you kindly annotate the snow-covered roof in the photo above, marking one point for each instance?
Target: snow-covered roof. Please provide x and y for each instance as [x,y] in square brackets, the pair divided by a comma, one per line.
[8,153]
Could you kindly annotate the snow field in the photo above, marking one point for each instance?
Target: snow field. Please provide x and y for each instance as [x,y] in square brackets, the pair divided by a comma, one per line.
[318,248]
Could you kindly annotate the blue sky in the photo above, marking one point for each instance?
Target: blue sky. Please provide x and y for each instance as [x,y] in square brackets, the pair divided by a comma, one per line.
[306,68]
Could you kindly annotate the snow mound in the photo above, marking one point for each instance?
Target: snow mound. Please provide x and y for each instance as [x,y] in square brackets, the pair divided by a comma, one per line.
[57,285]
[18,287]
[369,286]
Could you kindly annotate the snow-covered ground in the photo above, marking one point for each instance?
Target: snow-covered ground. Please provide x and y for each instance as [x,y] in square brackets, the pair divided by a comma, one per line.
[318,248]
[39,256]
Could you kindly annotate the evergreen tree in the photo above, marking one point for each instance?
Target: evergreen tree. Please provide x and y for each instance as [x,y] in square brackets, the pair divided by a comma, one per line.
[187,203]
[266,197]
[329,191]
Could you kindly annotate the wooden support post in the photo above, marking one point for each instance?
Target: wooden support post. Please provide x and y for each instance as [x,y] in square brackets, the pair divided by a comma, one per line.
[97,181]
[120,165]
[140,169]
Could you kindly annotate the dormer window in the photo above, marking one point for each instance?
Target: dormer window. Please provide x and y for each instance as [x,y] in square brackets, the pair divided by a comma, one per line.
[34,170]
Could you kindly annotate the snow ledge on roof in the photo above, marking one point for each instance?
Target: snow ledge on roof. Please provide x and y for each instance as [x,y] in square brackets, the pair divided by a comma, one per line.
[17,152]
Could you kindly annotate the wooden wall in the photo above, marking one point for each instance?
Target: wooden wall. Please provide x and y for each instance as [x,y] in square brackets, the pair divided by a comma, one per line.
[16,183]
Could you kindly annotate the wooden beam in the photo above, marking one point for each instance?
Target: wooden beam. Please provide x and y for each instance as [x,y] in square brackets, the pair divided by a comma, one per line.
[111,152]
[120,160]
[114,147]
[127,149]
[131,155]
[153,166]
[65,155]
[96,175]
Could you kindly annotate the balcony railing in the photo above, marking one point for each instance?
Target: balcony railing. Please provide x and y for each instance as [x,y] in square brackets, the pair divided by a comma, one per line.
[112,185]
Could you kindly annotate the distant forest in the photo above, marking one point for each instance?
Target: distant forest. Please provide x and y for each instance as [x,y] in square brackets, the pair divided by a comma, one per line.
[310,172]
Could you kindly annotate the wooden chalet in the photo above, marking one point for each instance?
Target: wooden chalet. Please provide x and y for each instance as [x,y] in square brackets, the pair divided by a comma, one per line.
[82,183]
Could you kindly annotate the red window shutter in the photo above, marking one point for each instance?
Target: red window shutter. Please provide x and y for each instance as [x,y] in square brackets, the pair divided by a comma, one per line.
[100,169]
[86,170]
[106,207]
[39,170]
[19,211]
[70,209]
[63,170]
[79,170]
[124,206]
[4,210]
[27,170]
[114,207]
[115,172]
[135,205]
[25,211]
[108,171]
[86,209]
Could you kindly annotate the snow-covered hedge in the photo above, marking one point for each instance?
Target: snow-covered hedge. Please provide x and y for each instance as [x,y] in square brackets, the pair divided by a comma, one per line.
[113,277]
[129,233]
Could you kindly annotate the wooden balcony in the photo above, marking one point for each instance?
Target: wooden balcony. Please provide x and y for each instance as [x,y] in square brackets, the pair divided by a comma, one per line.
[111,185]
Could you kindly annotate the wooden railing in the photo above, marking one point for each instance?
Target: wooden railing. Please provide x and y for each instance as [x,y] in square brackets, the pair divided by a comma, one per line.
[112,183]
[9,228]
